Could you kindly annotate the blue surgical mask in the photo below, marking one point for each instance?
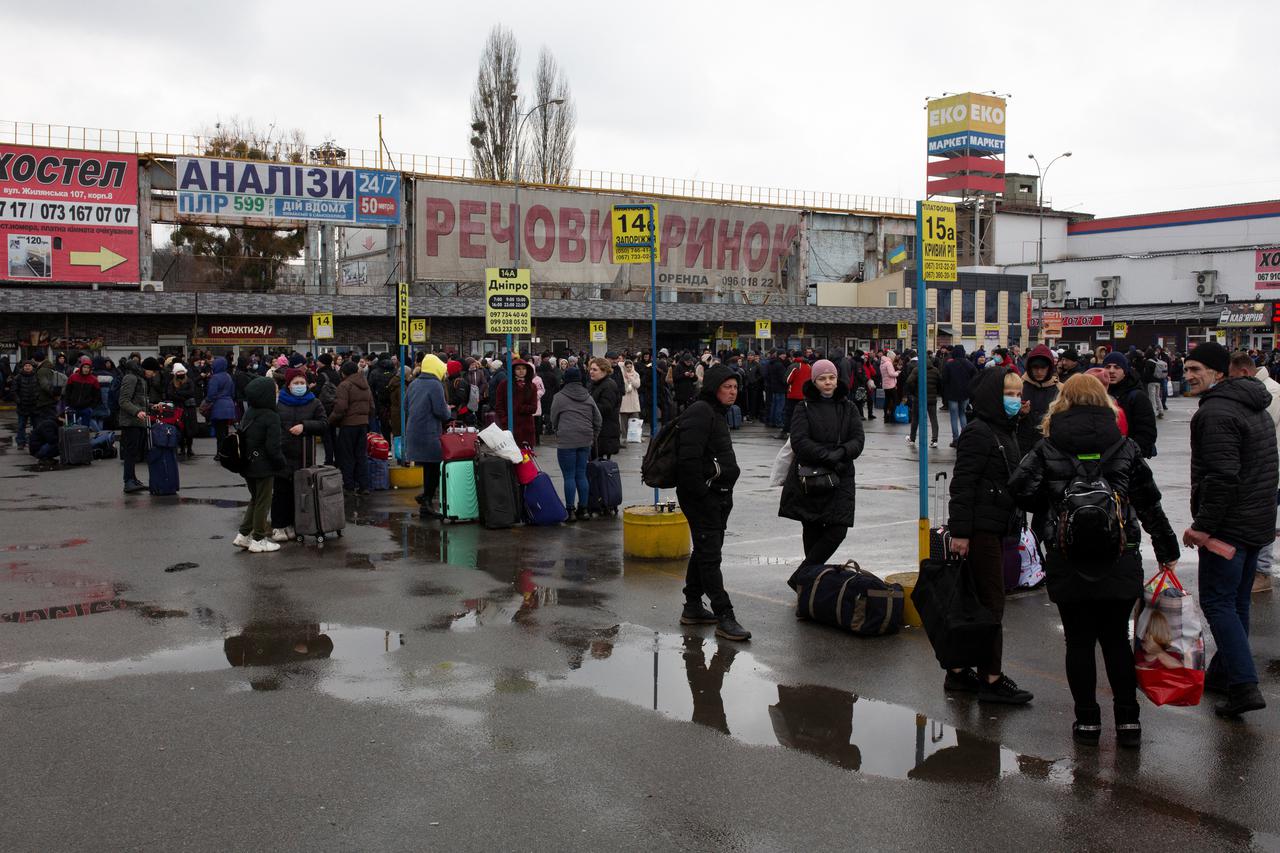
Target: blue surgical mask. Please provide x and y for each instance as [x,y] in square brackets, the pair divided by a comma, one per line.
[298,390]
[1012,405]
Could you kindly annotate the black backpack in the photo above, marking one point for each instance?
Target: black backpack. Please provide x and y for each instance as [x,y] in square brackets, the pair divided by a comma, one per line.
[1091,513]
[229,455]
[661,465]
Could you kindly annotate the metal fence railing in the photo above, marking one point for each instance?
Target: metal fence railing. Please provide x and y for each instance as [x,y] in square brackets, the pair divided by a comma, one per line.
[187,144]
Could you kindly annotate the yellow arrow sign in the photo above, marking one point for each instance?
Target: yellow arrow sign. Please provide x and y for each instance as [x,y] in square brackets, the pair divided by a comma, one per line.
[104,259]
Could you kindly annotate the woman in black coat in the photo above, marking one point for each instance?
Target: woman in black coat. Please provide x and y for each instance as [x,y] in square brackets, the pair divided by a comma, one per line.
[826,433]
[302,420]
[1096,596]
[605,392]
[982,513]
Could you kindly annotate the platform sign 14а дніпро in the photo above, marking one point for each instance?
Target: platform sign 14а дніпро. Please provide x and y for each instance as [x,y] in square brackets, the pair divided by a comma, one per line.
[938,242]
[402,313]
[632,226]
[322,326]
[508,301]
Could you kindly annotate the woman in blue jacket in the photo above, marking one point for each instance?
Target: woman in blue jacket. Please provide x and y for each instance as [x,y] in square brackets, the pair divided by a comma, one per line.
[222,397]
[426,413]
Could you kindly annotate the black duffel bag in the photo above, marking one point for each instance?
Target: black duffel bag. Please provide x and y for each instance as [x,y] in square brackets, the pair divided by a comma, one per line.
[960,628]
[848,597]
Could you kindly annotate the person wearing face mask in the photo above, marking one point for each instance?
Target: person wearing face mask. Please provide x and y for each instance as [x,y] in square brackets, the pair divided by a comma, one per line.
[181,391]
[302,421]
[827,436]
[982,512]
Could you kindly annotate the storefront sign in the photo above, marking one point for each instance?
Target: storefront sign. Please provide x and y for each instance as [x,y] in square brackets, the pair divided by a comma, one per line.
[68,216]
[1254,314]
[508,301]
[764,329]
[1267,269]
[1052,324]
[1103,335]
[463,229]
[223,191]
[241,334]
[938,246]
[632,226]
[599,331]
[322,326]
[1082,321]
[968,122]
[242,330]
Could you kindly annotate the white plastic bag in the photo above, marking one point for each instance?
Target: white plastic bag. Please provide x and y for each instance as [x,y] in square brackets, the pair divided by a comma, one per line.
[635,430]
[501,442]
[1032,572]
[782,465]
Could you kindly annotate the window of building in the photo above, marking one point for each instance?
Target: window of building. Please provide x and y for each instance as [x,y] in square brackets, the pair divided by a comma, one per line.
[968,306]
[891,299]
[991,313]
[944,305]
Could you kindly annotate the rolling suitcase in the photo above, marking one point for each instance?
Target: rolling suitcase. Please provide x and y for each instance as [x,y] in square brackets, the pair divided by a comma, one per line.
[734,417]
[497,492]
[162,460]
[75,445]
[379,475]
[542,503]
[319,505]
[604,486]
[458,491]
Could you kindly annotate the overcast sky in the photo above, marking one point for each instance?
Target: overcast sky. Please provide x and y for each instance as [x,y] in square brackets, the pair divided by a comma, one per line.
[1164,104]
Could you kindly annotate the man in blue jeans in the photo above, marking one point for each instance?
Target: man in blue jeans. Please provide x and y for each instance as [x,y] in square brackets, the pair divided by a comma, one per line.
[1234,474]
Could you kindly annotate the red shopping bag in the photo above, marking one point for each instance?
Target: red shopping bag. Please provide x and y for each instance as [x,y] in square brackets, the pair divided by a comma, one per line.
[1168,643]
[526,468]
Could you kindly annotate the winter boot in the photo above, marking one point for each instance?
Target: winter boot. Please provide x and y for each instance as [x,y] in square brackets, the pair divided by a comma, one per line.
[696,613]
[1128,729]
[1241,698]
[1087,728]
[729,629]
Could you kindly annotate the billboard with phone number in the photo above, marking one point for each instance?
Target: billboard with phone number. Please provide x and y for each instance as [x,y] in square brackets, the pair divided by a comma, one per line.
[68,216]
[255,192]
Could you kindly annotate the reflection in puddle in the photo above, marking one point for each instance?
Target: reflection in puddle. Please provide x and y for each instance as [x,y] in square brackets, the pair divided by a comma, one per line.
[516,607]
[728,689]
[222,503]
[45,546]
[89,608]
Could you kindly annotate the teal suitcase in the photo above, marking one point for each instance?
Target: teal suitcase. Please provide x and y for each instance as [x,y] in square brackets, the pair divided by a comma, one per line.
[458,491]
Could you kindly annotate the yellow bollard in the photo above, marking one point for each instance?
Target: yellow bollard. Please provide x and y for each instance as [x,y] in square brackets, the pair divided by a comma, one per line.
[403,477]
[910,615]
[654,535]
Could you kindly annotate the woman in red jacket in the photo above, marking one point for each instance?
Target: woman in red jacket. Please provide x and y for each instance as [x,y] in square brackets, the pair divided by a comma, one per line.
[800,373]
[525,398]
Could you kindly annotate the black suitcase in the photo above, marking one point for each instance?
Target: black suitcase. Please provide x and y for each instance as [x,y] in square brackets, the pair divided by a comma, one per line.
[960,629]
[497,492]
[848,597]
[604,486]
[75,445]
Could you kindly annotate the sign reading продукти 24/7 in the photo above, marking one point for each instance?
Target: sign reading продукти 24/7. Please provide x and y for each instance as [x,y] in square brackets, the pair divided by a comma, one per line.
[508,298]
[222,190]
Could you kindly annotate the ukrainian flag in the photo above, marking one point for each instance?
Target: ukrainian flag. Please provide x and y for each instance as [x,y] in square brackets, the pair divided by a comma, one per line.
[899,254]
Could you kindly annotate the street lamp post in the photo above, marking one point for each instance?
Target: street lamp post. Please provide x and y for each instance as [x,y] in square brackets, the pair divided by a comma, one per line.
[517,227]
[1041,174]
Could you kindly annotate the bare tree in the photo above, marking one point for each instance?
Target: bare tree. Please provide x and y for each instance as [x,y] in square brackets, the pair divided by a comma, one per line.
[495,105]
[550,155]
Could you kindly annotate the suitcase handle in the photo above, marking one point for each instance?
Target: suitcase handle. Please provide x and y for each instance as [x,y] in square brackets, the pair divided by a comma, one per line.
[939,480]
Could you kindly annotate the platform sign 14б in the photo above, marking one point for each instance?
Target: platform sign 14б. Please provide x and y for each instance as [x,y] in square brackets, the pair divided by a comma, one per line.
[632,226]
[938,242]
[508,301]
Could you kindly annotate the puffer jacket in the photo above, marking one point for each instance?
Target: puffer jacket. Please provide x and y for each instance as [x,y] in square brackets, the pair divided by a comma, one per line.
[1234,464]
[26,391]
[81,392]
[708,465]
[221,393]
[608,398]
[1041,480]
[1132,397]
[308,411]
[353,403]
[827,432]
[260,432]
[957,374]
[986,454]
[909,382]
[1039,395]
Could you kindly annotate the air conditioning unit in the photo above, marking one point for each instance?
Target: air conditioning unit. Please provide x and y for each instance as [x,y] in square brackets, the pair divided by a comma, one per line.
[153,287]
[1070,303]
[1057,290]
[1109,288]
[1221,298]
[1084,302]
[1206,282]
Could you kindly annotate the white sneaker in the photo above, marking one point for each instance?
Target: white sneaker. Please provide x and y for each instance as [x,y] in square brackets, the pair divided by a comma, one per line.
[259,546]
[910,440]
[280,534]
[933,444]
[241,541]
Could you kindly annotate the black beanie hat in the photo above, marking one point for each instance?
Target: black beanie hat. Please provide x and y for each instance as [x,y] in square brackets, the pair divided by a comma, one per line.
[326,359]
[1212,355]
[150,363]
[348,368]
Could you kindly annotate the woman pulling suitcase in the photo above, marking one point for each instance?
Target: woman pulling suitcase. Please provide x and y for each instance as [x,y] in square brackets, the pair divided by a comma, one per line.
[302,421]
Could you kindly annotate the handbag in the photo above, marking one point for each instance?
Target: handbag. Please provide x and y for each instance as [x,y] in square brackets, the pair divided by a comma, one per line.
[815,478]
[206,409]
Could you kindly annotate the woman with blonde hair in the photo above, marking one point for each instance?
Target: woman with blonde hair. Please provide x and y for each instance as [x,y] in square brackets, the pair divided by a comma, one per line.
[1093,567]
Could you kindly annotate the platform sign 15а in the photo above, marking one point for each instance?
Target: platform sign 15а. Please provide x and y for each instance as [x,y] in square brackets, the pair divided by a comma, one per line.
[68,216]
[508,301]
[938,241]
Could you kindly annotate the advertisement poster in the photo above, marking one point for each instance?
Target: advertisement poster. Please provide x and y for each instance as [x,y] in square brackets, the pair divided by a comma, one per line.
[68,216]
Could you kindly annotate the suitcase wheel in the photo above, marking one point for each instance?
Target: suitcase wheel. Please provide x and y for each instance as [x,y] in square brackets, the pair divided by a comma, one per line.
[302,540]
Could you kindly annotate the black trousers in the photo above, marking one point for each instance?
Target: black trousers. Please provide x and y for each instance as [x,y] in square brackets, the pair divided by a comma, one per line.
[220,429]
[353,459]
[703,576]
[283,511]
[133,449]
[932,407]
[821,541]
[1085,625]
[430,481]
[985,566]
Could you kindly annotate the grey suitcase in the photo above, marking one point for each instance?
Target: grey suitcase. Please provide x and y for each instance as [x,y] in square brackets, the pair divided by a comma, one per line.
[74,445]
[320,507]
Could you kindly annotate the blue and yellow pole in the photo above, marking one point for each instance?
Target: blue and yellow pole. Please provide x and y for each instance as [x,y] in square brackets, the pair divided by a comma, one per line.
[921,386]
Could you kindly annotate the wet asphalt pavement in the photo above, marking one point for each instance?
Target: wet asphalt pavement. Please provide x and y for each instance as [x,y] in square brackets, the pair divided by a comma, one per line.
[415,685]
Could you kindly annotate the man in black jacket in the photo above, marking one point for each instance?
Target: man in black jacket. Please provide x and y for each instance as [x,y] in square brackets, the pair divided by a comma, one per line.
[1234,472]
[1131,395]
[26,391]
[708,470]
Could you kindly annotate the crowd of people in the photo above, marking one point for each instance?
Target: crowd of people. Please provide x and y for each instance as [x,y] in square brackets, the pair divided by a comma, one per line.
[1021,424]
